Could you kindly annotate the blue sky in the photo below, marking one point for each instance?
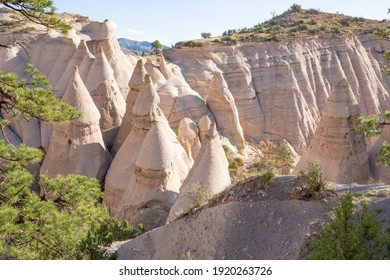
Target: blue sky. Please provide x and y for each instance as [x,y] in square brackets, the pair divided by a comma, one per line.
[171,21]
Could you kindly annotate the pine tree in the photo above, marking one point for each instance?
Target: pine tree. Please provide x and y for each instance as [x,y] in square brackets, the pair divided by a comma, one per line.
[350,236]
[72,224]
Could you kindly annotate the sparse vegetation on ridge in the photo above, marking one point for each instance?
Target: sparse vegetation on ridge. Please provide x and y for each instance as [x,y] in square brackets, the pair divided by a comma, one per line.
[313,181]
[297,23]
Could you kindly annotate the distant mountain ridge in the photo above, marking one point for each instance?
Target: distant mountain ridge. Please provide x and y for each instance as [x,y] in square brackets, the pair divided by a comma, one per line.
[136,47]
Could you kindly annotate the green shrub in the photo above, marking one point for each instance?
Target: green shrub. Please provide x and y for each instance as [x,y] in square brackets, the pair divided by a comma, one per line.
[296,8]
[175,127]
[312,178]
[382,32]
[336,30]
[314,31]
[191,44]
[303,26]
[345,22]
[199,196]
[387,55]
[313,21]
[205,35]
[229,32]
[276,38]
[267,175]
[313,11]
[351,237]
[231,40]
[217,41]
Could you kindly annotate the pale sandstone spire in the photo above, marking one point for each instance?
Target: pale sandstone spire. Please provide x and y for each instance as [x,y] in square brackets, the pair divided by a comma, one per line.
[103,35]
[77,147]
[156,183]
[135,84]
[336,145]
[147,99]
[106,95]
[123,167]
[221,103]
[78,96]
[189,138]
[168,74]
[86,63]
[204,126]
[76,60]
[100,70]
[209,175]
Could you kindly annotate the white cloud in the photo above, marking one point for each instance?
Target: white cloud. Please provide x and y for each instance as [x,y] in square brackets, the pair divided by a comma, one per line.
[114,25]
[135,32]
[139,35]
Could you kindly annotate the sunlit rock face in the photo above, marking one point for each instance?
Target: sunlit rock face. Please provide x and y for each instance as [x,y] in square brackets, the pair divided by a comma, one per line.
[221,103]
[208,176]
[106,94]
[336,145]
[280,89]
[132,180]
[76,146]
[188,136]
[135,85]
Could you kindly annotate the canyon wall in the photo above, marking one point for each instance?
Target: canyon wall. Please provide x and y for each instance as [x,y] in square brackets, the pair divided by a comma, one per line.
[280,88]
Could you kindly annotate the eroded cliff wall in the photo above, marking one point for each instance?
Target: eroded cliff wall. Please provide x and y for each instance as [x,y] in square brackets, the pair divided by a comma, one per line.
[280,88]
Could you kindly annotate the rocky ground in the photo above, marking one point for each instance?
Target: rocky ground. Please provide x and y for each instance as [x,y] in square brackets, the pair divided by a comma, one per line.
[250,221]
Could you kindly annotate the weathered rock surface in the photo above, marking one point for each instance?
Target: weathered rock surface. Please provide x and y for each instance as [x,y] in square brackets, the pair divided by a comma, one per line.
[135,84]
[78,59]
[103,35]
[221,103]
[280,88]
[178,100]
[107,96]
[336,145]
[155,185]
[119,188]
[273,227]
[77,146]
[208,176]
[188,137]
[204,125]
[9,136]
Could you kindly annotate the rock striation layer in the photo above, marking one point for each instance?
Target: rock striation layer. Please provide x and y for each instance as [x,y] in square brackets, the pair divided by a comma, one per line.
[221,103]
[280,88]
[336,145]
[120,186]
[155,185]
